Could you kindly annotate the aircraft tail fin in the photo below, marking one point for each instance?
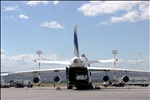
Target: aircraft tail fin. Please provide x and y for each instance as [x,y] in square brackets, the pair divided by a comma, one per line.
[76,48]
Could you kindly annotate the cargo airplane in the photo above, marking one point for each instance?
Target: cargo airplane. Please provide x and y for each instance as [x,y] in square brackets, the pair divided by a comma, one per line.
[78,72]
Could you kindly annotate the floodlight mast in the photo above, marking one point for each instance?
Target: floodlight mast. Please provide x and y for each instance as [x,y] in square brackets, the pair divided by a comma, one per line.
[39,53]
[115,52]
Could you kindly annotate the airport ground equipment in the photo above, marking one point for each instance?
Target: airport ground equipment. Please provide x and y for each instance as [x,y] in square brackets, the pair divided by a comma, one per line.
[3,84]
[21,83]
[137,81]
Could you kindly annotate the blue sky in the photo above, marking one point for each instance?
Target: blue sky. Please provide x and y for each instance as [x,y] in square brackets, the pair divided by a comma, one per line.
[48,26]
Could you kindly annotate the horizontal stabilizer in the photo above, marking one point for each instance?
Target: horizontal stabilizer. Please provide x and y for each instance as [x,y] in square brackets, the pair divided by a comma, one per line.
[106,61]
[98,61]
[55,62]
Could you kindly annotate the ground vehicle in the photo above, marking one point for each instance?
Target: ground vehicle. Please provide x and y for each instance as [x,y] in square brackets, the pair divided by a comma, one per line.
[21,83]
[28,84]
[3,84]
[136,81]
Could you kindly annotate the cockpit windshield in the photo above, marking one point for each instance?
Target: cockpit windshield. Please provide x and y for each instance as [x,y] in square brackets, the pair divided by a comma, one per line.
[75,61]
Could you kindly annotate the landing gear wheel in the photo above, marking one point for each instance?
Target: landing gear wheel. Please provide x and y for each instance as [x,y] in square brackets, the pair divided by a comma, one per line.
[90,87]
[69,87]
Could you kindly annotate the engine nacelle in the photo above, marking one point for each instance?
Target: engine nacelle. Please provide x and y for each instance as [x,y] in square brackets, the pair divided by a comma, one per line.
[36,80]
[105,78]
[125,78]
[57,79]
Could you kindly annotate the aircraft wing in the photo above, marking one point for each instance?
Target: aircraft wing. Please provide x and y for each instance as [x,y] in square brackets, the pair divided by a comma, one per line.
[115,69]
[35,71]
[55,62]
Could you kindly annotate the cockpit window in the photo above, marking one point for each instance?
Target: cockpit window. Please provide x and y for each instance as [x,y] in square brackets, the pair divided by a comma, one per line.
[75,61]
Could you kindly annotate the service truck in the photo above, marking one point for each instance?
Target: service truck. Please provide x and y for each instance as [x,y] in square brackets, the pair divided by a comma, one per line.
[136,81]
[21,83]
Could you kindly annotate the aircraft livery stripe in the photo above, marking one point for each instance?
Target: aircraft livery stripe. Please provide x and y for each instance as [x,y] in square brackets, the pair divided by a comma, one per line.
[76,42]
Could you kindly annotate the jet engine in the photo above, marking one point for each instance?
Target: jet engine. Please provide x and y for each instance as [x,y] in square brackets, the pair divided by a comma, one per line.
[105,78]
[36,79]
[57,79]
[125,78]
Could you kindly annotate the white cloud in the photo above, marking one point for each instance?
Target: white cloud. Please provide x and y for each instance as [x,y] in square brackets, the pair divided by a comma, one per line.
[11,8]
[52,57]
[144,8]
[26,62]
[55,2]
[132,11]
[17,60]
[131,16]
[105,7]
[23,16]
[52,24]
[34,3]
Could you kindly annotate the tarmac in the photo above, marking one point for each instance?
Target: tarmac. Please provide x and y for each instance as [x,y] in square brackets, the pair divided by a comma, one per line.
[50,93]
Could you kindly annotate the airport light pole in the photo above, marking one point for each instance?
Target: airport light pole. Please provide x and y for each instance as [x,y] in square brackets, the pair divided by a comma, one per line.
[39,53]
[114,52]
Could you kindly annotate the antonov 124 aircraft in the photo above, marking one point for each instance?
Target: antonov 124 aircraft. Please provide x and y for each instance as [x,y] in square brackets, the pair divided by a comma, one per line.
[78,72]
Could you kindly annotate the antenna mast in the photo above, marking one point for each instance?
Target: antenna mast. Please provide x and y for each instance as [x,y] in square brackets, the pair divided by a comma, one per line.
[114,52]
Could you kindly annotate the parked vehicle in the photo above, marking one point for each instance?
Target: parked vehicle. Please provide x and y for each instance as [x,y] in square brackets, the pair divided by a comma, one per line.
[3,84]
[21,83]
[136,81]
[28,84]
